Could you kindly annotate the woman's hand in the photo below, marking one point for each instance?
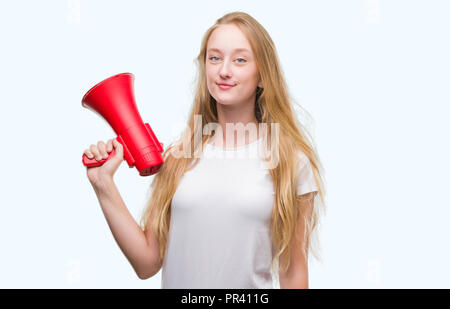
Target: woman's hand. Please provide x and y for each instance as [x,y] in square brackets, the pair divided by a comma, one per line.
[99,174]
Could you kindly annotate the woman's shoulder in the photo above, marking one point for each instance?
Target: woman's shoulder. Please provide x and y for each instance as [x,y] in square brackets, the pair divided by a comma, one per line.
[303,158]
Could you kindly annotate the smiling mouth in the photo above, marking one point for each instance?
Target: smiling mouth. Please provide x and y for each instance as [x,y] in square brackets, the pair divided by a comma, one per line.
[225,87]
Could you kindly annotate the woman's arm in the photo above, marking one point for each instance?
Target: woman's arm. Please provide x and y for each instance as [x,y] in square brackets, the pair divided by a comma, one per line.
[296,276]
[127,233]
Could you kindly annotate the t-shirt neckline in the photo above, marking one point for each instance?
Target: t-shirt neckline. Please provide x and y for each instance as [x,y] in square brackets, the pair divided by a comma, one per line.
[234,148]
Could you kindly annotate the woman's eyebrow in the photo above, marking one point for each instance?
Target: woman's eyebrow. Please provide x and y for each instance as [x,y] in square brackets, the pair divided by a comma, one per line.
[235,50]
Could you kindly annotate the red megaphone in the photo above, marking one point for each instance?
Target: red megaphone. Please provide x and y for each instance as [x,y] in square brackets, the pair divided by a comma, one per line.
[113,99]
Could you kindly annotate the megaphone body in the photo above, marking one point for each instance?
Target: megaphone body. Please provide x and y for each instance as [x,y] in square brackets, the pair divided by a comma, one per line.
[113,99]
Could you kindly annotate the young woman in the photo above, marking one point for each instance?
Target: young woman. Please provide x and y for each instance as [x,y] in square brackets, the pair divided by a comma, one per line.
[218,217]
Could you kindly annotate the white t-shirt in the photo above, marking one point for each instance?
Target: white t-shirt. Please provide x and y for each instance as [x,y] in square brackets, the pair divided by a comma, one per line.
[219,234]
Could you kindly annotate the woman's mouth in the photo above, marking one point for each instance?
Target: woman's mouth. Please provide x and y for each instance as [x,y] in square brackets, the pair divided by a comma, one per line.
[225,86]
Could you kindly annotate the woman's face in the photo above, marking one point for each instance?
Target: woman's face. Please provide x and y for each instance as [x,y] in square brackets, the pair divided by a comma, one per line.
[230,60]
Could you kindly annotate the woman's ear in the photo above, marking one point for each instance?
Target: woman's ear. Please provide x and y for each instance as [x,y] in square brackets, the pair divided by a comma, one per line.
[260,85]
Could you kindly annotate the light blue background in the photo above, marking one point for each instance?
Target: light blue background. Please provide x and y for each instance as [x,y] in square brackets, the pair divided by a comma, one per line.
[374,75]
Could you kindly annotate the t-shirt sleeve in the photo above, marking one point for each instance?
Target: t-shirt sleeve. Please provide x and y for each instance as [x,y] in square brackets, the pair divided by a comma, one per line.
[306,182]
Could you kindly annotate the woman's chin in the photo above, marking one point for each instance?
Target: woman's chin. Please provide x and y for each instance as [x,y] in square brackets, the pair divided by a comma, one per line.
[226,102]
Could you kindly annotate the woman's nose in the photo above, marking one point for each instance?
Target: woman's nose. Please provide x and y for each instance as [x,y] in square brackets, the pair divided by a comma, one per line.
[225,70]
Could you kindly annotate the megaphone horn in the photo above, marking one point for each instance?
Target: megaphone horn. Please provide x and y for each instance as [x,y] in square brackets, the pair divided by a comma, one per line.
[113,99]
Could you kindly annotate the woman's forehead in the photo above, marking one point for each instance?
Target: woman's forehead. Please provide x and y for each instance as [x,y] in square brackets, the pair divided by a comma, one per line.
[228,38]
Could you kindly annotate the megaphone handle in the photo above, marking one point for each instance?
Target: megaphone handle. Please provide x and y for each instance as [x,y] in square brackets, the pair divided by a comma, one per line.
[92,162]
[127,156]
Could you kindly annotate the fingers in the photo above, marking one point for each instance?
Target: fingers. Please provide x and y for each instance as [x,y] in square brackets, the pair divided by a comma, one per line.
[99,151]
[102,149]
[88,154]
[94,150]
[109,145]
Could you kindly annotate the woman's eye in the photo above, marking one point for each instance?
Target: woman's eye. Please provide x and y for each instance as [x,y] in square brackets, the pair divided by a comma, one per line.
[211,58]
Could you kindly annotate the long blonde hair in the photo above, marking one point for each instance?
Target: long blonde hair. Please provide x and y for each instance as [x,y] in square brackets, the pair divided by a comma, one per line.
[272,105]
